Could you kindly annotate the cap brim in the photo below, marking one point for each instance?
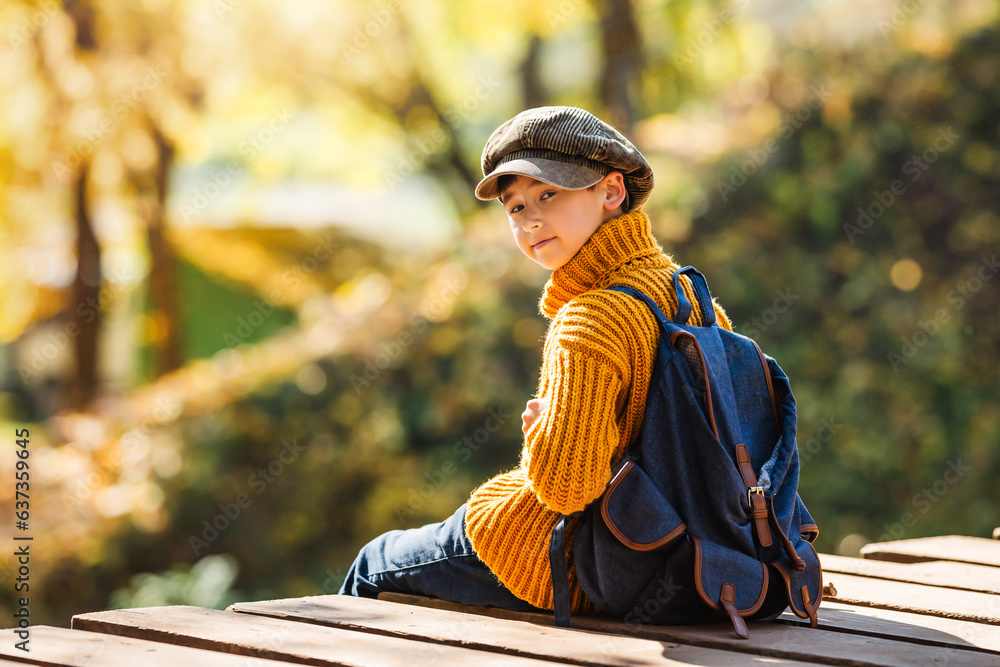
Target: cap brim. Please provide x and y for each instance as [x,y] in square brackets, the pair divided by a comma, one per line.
[560,174]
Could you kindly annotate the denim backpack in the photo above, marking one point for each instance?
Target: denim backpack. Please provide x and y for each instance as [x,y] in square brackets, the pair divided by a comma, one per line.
[701,519]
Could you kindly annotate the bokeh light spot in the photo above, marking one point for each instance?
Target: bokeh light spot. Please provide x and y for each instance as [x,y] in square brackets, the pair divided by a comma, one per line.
[906,274]
[311,379]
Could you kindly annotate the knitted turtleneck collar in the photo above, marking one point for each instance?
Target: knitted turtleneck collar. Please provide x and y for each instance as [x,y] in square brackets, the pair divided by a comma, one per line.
[625,239]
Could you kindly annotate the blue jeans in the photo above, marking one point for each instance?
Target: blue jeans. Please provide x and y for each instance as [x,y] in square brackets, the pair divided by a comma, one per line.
[436,560]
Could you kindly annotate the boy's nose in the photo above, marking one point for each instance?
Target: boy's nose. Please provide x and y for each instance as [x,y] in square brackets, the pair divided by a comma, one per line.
[530,220]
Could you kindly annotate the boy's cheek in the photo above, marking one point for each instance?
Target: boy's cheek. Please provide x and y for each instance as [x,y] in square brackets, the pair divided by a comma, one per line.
[524,246]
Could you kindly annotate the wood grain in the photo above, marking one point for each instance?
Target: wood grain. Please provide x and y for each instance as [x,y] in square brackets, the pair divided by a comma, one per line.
[767,640]
[891,624]
[946,574]
[62,647]
[566,646]
[975,550]
[275,639]
[916,598]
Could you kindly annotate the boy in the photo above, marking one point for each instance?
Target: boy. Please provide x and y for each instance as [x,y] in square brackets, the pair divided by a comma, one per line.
[572,187]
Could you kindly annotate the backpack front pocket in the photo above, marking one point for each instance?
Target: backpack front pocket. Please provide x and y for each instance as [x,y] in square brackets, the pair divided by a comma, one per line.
[624,540]
[637,513]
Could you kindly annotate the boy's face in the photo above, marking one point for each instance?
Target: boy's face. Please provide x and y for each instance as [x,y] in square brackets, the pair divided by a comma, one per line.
[550,224]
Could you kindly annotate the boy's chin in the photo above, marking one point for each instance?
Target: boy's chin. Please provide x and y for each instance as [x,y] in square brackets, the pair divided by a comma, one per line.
[549,266]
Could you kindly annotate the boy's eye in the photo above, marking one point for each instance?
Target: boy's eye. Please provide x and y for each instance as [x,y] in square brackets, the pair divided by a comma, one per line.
[544,195]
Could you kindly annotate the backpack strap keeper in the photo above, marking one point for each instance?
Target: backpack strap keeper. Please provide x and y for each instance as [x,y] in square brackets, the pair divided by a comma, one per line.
[728,600]
[755,496]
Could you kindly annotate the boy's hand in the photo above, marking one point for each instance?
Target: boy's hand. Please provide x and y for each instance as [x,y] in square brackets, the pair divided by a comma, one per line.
[536,407]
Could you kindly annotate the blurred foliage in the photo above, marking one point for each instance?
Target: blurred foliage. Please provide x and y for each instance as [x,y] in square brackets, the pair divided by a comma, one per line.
[204,584]
[361,402]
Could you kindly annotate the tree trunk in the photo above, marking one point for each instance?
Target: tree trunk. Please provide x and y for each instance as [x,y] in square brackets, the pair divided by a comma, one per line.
[531,86]
[86,309]
[163,272]
[623,62]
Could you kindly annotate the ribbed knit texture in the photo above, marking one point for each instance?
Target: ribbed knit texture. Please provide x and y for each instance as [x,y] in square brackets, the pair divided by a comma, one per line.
[597,361]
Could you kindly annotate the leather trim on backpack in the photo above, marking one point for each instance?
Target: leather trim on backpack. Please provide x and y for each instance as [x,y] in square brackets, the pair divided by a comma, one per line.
[770,387]
[809,532]
[714,605]
[704,368]
[755,500]
[810,610]
[793,556]
[728,599]
[636,546]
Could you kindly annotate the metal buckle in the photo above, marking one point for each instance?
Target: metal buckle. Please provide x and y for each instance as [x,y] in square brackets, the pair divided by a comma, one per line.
[752,490]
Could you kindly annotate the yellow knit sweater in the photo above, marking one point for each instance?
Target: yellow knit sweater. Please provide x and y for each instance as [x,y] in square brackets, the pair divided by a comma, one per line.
[597,361]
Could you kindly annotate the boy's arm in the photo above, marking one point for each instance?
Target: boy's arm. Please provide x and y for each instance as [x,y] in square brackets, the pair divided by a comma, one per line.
[585,378]
[568,448]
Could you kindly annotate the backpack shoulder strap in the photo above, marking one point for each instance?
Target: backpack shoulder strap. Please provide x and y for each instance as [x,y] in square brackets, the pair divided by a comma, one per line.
[701,291]
[684,306]
[559,570]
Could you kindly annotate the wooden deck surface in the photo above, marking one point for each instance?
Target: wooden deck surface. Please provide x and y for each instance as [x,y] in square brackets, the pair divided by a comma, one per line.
[922,602]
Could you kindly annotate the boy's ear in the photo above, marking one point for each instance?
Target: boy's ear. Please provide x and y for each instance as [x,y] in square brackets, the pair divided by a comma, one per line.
[612,187]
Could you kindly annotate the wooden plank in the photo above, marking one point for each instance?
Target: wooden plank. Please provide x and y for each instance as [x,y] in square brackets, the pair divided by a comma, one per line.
[958,548]
[277,639]
[960,576]
[767,640]
[62,647]
[917,598]
[916,628]
[566,646]
[820,645]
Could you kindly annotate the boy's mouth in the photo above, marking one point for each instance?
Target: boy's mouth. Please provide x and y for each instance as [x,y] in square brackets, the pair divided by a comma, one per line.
[542,243]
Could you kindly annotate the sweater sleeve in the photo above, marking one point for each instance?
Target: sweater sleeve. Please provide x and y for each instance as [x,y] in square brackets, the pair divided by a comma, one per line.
[721,317]
[568,449]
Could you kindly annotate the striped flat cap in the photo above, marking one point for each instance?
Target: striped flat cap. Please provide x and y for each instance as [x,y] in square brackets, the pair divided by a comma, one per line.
[567,147]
